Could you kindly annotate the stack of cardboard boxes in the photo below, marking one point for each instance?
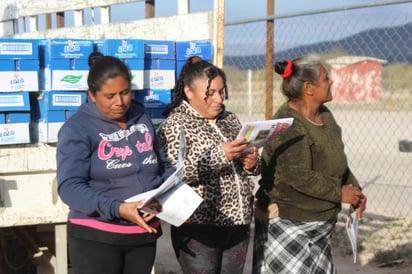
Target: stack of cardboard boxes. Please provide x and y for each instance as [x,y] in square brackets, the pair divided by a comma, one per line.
[43,82]
[19,67]
[63,84]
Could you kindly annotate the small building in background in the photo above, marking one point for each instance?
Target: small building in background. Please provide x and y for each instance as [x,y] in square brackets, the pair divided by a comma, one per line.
[356,79]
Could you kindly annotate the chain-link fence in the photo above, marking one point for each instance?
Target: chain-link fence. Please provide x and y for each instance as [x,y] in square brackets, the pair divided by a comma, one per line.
[368,51]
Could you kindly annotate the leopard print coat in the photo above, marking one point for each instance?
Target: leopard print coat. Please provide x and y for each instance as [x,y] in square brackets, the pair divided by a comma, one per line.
[226,188]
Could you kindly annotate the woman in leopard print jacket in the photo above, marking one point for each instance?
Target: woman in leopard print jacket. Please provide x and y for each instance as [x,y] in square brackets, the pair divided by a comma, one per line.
[216,237]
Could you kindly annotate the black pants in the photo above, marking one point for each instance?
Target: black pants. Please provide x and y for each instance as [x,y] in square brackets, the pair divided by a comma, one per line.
[90,257]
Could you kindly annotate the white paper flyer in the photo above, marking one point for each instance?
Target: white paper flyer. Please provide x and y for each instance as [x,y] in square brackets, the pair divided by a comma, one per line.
[257,133]
[352,231]
[173,201]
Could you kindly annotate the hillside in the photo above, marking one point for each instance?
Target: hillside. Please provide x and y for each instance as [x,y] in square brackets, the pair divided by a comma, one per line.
[392,44]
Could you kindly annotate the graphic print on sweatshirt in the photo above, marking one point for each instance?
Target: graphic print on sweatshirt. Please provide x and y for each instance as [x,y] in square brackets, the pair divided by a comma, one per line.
[114,148]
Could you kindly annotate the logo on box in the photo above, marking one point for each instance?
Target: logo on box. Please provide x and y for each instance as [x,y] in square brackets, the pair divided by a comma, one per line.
[125,47]
[193,50]
[6,131]
[71,46]
[151,96]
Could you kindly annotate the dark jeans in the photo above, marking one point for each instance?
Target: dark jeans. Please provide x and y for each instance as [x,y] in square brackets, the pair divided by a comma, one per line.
[211,249]
[90,257]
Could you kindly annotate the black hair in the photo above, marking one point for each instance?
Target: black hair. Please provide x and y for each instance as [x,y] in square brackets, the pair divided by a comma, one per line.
[194,68]
[103,68]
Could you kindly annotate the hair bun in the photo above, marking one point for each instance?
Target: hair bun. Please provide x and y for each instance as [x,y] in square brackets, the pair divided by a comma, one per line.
[284,68]
[93,57]
[278,67]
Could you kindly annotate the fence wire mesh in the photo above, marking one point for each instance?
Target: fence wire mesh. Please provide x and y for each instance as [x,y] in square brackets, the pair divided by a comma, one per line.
[368,52]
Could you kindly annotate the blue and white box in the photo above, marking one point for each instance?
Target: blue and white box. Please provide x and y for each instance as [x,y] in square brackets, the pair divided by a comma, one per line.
[155,103]
[201,48]
[99,46]
[55,107]
[19,65]
[64,64]
[186,49]
[153,98]
[14,118]
[131,52]
[156,112]
[161,49]
[156,115]
[159,64]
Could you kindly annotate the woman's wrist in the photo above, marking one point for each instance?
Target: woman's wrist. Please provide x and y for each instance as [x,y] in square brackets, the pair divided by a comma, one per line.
[251,170]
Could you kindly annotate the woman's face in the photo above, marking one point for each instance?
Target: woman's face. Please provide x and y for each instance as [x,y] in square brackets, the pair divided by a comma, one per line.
[323,87]
[208,106]
[113,99]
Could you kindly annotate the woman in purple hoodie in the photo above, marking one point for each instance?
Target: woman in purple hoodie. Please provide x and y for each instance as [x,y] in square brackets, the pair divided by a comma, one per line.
[107,152]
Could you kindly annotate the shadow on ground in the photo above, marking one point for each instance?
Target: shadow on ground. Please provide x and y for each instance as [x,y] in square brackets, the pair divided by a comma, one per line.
[383,242]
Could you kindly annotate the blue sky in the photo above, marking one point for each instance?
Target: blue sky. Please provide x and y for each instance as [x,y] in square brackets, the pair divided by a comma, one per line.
[235,9]
[238,10]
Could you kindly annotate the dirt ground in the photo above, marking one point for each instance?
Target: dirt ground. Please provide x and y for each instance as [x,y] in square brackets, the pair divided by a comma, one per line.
[345,266]
[166,262]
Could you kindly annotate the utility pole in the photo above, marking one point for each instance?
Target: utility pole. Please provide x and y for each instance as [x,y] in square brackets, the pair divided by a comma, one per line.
[219,32]
[269,60]
[150,8]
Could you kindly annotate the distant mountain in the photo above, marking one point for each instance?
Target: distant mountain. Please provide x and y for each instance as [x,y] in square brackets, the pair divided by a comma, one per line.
[393,44]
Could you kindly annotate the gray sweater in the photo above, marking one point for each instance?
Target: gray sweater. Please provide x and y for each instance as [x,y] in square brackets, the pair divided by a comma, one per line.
[304,168]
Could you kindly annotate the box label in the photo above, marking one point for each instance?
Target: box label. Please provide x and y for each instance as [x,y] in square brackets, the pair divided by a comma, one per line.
[153,98]
[16,48]
[71,49]
[156,49]
[69,80]
[159,49]
[159,79]
[12,101]
[203,49]
[125,48]
[73,100]
[18,133]
[19,81]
